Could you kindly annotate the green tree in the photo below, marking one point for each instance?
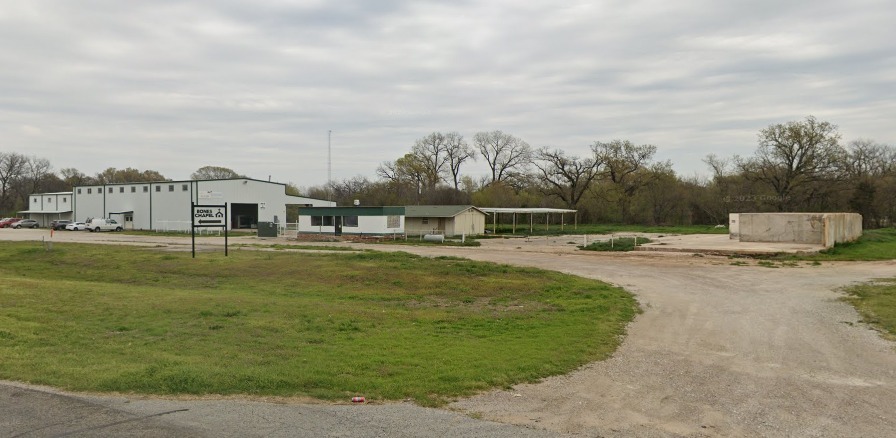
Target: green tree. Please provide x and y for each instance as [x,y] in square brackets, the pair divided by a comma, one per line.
[623,164]
[128,175]
[430,158]
[408,176]
[796,160]
[214,172]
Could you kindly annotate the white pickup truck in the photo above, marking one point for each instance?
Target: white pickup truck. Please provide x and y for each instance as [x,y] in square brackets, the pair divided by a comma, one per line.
[103,225]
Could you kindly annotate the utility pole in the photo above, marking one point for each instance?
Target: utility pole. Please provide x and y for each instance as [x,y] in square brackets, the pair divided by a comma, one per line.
[329,164]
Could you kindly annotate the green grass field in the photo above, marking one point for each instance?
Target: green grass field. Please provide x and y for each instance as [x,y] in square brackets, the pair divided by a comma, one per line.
[539,230]
[388,326]
[618,244]
[879,244]
[416,241]
[876,302]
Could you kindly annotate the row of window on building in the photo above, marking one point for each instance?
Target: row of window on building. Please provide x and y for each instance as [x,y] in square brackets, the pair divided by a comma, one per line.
[64,200]
[329,221]
[392,221]
[183,188]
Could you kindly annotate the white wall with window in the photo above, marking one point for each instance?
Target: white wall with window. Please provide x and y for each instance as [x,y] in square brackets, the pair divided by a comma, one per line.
[351,220]
[47,207]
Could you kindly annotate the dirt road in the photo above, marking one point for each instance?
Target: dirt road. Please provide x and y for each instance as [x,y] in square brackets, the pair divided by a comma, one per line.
[720,350]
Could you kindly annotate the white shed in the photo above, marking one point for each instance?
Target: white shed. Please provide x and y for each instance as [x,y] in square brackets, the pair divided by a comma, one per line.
[450,220]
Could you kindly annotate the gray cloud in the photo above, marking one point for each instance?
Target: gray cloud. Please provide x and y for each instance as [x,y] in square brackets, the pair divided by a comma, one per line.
[255,86]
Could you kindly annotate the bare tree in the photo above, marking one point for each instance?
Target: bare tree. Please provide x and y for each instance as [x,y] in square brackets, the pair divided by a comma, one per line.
[721,167]
[715,201]
[74,177]
[504,153]
[348,190]
[33,178]
[793,157]
[623,165]
[870,166]
[457,151]
[13,167]
[388,170]
[865,158]
[566,177]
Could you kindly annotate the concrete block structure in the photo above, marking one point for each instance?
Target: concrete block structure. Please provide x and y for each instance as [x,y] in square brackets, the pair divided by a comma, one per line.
[824,229]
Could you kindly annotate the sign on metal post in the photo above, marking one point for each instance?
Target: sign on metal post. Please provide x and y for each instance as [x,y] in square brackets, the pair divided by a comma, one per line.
[208,216]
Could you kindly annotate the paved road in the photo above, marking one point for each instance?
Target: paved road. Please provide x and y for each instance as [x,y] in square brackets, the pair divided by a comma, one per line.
[29,411]
[720,350]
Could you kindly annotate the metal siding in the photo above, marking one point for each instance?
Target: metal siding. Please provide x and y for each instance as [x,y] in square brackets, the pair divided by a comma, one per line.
[414,225]
[121,202]
[151,208]
[173,206]
[89,205]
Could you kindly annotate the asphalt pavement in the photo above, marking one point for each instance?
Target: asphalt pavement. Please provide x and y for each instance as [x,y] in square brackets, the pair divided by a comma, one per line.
[30,411]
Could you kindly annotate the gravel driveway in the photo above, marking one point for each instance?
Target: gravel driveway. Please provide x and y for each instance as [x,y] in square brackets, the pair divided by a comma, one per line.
[720,350]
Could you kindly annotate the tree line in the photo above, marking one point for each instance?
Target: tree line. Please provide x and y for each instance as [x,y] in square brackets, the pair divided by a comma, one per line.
[797,166]
[22,175]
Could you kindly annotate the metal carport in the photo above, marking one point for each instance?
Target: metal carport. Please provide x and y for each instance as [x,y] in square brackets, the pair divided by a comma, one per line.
[531,212]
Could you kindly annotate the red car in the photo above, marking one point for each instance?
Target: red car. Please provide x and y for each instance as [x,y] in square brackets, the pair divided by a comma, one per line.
[7,221]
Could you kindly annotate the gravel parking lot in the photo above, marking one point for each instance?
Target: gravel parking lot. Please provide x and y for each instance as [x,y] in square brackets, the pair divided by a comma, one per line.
[720,350]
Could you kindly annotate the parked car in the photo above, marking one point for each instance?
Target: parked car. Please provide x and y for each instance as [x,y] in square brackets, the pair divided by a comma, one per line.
[59,224]
[25,223]
[76,226]
[103,225]
[7,221]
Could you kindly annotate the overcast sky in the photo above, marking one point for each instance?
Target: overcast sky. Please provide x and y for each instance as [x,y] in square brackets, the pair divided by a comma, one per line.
[256,85]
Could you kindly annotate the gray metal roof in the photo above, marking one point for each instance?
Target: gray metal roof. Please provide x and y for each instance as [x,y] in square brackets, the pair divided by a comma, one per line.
[351,211]
[526,210]
[437,210]
[45,212]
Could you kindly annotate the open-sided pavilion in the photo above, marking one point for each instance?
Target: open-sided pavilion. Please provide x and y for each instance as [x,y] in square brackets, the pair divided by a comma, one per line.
[531,212]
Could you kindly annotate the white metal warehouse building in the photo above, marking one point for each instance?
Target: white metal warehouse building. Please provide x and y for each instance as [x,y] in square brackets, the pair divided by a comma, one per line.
[166,205]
